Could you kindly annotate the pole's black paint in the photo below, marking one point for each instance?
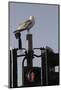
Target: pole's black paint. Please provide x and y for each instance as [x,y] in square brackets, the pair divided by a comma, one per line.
[19,43]
[43,67]
[29,53]
[10,74]
[14,68]
[18,36]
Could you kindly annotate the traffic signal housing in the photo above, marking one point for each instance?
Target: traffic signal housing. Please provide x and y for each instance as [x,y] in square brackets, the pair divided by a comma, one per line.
[32,77]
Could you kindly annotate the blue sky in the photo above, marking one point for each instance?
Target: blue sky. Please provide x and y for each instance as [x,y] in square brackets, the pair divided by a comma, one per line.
[45,30]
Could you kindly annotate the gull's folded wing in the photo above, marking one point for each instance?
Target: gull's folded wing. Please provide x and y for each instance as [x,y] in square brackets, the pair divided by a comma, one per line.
[23,26]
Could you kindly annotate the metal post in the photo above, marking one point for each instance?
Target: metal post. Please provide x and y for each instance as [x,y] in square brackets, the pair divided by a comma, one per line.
[43,67]
[13,68]
[19,43]
[18,36]
[29,55]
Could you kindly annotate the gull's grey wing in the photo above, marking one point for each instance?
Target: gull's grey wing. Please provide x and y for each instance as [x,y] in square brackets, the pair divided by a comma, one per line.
[23,26]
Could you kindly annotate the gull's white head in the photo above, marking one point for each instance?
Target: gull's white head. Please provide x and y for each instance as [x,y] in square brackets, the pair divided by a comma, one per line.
[32,18]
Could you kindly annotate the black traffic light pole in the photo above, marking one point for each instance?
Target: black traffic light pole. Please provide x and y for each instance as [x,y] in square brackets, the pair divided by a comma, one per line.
[29,52]
[28,56]
[18,36]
